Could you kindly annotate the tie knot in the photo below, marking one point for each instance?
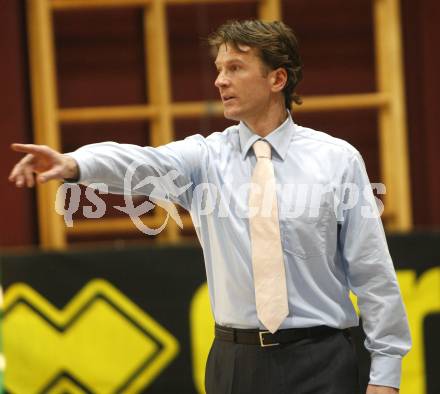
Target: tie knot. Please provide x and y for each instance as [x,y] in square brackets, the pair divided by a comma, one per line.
[262,149]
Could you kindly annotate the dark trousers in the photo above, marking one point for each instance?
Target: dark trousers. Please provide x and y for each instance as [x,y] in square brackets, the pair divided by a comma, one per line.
[322,365]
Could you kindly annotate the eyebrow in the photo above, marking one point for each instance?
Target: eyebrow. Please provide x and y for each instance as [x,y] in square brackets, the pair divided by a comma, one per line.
[236,60]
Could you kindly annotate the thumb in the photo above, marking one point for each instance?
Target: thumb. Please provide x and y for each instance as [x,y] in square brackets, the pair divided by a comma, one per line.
[53,173]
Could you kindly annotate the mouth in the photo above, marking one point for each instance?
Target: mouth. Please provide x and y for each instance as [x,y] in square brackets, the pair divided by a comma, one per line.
[227,99]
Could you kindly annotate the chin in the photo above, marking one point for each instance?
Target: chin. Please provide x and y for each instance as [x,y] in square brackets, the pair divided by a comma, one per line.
[231,115]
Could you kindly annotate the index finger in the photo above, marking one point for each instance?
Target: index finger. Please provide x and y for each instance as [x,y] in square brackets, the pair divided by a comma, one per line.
[29,148]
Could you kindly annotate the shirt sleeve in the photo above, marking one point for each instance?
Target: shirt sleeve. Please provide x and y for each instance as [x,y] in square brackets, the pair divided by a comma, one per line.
[169,172]
[372,277]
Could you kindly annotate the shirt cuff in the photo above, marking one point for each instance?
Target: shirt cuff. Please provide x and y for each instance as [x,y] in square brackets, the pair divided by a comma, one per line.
[83,159]
[385,371]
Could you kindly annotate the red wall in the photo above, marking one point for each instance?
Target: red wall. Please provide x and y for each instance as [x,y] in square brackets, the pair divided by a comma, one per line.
[17,207]
[422,62]
[100,61]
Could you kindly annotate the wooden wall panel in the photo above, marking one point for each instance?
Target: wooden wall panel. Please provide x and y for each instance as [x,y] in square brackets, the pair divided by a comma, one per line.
[100,57]
[337,48]
[192,66]
[336,44]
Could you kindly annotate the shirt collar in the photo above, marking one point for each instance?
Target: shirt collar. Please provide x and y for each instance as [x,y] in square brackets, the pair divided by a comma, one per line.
[279,138]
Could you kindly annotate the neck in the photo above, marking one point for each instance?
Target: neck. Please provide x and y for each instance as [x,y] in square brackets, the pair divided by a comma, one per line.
[266,122]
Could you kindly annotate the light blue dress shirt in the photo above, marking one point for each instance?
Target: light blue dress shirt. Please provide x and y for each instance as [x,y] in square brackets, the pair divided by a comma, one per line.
[330,244]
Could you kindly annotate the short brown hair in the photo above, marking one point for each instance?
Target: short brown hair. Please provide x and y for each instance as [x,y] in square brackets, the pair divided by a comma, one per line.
[276,44]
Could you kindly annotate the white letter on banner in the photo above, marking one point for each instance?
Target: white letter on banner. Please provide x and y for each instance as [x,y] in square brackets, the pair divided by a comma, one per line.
[96,200]
[60,201]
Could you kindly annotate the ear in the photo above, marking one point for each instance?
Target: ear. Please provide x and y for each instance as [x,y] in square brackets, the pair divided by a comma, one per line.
[278,79]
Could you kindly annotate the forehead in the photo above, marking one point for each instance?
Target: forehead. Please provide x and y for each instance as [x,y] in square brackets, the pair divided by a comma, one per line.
[229,52]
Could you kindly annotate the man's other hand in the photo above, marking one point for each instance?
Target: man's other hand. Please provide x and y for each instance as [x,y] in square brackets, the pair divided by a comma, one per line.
[373,389]
[46,162]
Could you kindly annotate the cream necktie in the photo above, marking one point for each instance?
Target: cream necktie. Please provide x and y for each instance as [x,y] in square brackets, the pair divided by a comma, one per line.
[267,253]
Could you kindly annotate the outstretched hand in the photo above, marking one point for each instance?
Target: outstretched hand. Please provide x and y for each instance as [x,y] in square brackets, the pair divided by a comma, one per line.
[46,162]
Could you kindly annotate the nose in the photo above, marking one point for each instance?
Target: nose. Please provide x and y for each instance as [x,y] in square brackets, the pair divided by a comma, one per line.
[221,81]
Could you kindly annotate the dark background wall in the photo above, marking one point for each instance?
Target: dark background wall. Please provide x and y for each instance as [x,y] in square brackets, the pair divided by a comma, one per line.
[164,283]
[100,62]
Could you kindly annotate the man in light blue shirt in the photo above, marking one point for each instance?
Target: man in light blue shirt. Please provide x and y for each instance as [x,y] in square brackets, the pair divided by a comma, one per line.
[331,233]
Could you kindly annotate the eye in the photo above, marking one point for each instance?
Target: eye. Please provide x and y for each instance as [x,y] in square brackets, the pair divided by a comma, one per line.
[235,67]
